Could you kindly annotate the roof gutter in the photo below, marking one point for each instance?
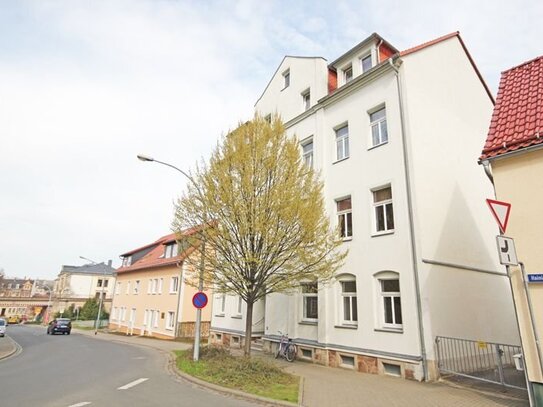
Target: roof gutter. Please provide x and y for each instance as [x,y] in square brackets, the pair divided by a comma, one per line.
[395,62]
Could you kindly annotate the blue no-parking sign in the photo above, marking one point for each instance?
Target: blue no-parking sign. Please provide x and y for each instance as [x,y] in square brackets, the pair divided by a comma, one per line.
[199,300]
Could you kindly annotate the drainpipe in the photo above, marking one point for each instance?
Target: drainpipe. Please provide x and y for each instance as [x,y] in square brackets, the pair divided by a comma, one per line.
[411,221]
[488,171]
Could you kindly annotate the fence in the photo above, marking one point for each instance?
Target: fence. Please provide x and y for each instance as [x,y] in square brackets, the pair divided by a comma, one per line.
[485,361]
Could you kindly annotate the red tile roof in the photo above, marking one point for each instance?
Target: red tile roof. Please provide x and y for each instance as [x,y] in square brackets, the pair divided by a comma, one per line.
[154,257]
[517,121]
[429,43]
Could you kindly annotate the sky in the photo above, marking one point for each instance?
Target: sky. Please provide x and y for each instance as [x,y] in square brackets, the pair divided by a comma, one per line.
[85,86]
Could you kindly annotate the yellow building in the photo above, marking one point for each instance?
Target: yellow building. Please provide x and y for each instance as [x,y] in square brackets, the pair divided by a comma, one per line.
[152,296]
[513,158]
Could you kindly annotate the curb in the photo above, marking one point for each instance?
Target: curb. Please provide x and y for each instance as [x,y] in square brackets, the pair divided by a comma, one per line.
[15,348]
[225,390]
[172,368]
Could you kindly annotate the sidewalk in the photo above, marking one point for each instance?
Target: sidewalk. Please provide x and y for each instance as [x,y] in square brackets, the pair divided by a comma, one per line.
[325,387]
[7,347]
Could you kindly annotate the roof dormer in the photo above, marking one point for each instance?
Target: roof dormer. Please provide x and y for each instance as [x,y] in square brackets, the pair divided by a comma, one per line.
[362,58]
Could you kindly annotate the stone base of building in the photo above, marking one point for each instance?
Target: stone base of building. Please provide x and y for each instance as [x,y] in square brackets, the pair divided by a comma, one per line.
[186,330]
[348,360]
[229,339]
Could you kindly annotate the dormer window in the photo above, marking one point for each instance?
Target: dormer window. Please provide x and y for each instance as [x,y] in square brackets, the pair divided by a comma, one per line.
[348,74]
[170,250]
[286,79]
[366,63]
[127,261]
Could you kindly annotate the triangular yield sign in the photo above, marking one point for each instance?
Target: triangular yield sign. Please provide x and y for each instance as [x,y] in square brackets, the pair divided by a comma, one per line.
[500,210]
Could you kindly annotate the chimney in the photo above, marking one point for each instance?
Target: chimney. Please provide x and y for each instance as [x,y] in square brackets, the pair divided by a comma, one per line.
[109,263]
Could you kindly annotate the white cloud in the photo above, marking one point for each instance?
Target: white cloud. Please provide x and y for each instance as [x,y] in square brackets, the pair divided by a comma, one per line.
[85,86]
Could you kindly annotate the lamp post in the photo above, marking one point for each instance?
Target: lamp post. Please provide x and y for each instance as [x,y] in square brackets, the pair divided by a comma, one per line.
[196,354]
[101,295]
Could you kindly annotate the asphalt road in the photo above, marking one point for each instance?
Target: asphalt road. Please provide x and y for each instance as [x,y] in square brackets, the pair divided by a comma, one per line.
[76,370]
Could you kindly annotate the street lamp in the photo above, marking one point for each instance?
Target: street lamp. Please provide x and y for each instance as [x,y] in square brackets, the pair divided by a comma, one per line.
[196,354]
[101,294]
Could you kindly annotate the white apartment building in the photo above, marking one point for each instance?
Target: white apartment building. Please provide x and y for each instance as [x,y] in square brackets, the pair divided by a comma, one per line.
[393,135]
[76,284]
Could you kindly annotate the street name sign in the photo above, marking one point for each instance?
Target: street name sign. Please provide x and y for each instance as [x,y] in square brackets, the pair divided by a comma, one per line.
[199,300]
[506,251]
[500,210]
[535,278]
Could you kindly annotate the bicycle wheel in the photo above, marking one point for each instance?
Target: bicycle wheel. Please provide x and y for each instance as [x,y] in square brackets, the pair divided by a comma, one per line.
[290,354]
[278,351]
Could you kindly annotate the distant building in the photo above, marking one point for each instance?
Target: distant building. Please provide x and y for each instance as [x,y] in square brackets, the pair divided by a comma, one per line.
[16,287]
[76,284]
[24,298]
[152,296]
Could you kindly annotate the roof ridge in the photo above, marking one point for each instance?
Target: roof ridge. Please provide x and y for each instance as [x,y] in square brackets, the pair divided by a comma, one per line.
[522,64]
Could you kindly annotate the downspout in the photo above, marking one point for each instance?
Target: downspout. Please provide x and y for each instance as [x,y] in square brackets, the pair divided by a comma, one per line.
[411,221]
[180,265]
[488,171]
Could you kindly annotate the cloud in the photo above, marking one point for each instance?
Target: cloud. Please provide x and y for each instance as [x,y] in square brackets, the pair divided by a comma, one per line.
[85,86]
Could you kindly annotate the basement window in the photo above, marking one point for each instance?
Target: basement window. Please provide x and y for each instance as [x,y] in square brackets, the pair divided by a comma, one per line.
[392,370]
[307,353]
[347,361]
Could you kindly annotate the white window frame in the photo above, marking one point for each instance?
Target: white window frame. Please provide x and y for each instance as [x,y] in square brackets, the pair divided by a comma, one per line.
[353,304]
[394,298]
[240,304]
[347,74]
[145,317]
[342,142]
[364,57]
[170,321]
[344,214]
[223,303]
[306,296]
[174,285]
[286,78]
[118,288]
[128,287]
[160,283]
[306,99]
[308,155]
[149,284]
[387,206]
[170,250]
[381,126]
[156,317]
[127,261]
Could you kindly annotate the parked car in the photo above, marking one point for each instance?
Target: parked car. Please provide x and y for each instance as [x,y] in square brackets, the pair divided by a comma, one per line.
[14,319]
[3,325]
[63,325]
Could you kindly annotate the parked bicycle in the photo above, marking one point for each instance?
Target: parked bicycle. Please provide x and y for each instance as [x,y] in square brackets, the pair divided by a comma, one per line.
[286,348]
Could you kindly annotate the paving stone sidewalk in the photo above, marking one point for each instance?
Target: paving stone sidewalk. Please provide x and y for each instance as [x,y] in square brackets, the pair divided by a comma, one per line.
[325,387]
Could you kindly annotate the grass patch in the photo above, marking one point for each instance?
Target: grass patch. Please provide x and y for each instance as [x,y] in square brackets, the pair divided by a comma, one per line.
[254,375]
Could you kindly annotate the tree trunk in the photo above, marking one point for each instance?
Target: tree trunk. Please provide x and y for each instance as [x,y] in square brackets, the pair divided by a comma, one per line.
[248,329]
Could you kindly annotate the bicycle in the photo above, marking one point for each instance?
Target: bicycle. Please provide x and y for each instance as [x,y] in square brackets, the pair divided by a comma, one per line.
[286,348]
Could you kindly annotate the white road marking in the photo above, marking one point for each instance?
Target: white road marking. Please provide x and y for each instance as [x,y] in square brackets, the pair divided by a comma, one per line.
[132,384]
[84,403]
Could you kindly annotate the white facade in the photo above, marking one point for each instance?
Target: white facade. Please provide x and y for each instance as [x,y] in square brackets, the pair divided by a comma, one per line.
[414,122]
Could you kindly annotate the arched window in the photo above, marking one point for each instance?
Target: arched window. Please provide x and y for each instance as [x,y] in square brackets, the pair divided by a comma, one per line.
[389,299]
